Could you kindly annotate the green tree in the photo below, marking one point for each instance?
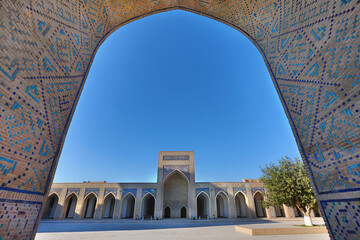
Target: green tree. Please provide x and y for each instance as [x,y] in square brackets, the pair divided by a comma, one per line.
[287,183]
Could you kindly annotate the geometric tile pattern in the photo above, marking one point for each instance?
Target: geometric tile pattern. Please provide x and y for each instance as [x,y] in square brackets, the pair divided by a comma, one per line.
[217,190]
[92,190]
[254,190]
[149,190]
[346,213]
[311,49]
[76,191]
[125,191]
[111,190]
[239,189]
[199,190]
[18,218]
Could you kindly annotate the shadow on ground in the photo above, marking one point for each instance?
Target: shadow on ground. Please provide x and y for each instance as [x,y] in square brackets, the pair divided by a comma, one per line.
[50,226]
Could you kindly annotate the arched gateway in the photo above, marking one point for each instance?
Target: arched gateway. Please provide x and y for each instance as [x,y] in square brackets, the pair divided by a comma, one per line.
[310,48]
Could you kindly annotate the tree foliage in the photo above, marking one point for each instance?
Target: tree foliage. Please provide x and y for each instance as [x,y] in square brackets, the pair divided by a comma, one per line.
[287,183]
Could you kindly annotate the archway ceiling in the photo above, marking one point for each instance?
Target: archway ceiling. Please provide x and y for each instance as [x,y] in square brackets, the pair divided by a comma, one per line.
[311,49]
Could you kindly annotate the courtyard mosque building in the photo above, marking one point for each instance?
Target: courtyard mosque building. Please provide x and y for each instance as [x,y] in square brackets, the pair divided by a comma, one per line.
[174,195]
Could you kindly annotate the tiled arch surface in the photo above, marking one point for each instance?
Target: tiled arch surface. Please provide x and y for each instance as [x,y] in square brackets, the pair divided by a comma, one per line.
[311,48]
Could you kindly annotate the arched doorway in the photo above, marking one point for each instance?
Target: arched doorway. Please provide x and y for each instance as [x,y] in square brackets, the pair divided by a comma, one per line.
[70,206]
[51,205]
[167,212]
[202,205]
[109,204]
[222,210]
[175,192]
[89,206]
[183,212]
[260,211]
[302,71]
[128,206]
[240,204]
[148,206]
[279,212]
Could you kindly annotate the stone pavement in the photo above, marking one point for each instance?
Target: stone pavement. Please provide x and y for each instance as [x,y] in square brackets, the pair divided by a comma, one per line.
[165,229]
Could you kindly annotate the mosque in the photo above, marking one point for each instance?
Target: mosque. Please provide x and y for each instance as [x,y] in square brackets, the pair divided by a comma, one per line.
[174,195]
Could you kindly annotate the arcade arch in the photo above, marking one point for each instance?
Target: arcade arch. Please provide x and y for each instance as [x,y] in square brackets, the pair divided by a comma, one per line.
[70,206]
[241,205]
[51,206]
[259,209]
[167,212]
[222,205]
[203,205]
[128,206]
[109,206]
[89,206]
[148,206]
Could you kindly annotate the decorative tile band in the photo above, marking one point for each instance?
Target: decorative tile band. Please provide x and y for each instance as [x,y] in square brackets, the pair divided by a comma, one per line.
[176,157]
[125,191]
[149,190]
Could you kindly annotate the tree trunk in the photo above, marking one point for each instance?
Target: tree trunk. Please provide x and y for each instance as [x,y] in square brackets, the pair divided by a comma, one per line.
[307,218]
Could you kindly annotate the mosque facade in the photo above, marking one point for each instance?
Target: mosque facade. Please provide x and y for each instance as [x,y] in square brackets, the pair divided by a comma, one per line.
[174,195]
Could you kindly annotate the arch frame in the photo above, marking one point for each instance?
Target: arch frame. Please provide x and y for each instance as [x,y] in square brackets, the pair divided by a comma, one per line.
[47,203]
[66,205]
[173,172]
[142,202]
[86,203]
[246,202]
[258,191]
[264,210]
[104,204]
[201,193]
[325,199]
[105,196]
[227,203]
[126,197]
[208,199]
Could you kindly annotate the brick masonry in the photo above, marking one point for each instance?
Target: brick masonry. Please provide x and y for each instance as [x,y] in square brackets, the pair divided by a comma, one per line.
[311,49]
[176,191]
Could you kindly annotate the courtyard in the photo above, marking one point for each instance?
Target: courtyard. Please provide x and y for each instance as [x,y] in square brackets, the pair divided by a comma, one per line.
[166,229]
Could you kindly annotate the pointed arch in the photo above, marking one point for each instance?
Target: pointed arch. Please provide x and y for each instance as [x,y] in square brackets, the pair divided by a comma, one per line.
[203,193]
[222,205]
[105,196]
[174,172]
[176,192]
[222,191]
[148,206]
[183,212]
[51,205]
[203,205]
[241,204]
[128,194]
[148,194]
[128,206]
[259,209]
[70,206]
[108,206]
[89,206]
[167,212]
[258,191]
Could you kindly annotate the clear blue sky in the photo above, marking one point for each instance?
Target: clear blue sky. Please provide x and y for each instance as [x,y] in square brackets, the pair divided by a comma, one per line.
[175,81]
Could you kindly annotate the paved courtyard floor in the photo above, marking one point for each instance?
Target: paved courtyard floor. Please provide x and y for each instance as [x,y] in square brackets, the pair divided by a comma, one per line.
[164,229]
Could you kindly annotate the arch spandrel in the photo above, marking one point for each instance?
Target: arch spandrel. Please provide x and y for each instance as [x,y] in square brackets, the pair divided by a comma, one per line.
[310,48]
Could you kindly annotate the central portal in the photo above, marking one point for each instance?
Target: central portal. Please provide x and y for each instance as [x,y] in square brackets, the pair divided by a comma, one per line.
[176,195]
